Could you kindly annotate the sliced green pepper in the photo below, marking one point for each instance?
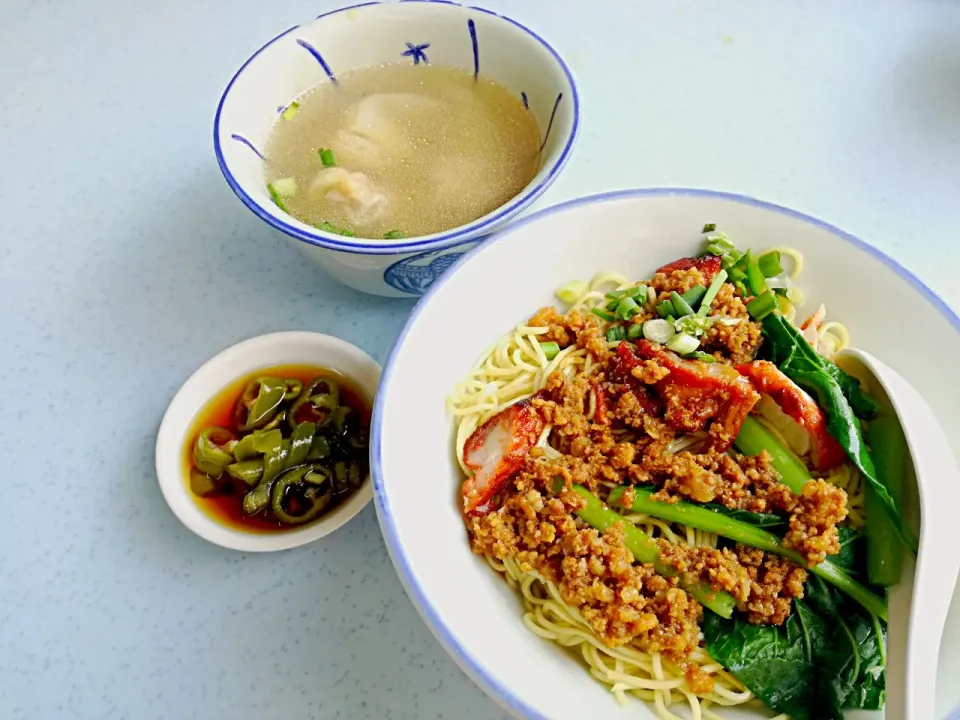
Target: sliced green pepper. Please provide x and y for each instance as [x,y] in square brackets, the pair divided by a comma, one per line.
[319,448]
[294,388]
[257,443]
[313,496]
[321,396]
[250,471]
[340,418]
[275,460]
[277,419]
[246,448]
[300,443]
[257,499]
[262,397]
[317,475]
[213,450]
[202,485]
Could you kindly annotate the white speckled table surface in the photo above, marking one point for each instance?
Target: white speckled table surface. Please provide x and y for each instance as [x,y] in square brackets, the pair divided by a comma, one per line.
[126,262]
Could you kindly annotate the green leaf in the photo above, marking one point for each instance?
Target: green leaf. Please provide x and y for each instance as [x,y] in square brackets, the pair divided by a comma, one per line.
[828,656]
[768,521]
[801,363]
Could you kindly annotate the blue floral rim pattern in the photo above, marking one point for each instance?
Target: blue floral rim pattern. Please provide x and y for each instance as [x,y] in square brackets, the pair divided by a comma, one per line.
[440,240]
[481,674]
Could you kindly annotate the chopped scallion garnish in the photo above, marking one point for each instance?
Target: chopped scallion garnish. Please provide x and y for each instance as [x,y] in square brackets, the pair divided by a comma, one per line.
[616,333]
[709,227]
[603,315]
[770,264]
[693,324]
[276,197]
[331,228]
[683,344]
[285,187]
[326,157]
[550,349]
[701,356]
[394,235]
[627,308]
[756,283]
[680,305]
[658,331]
[694,295]
[291,110]
[718,280]
[762,305]
[572,291]
[635,331]
[665,309]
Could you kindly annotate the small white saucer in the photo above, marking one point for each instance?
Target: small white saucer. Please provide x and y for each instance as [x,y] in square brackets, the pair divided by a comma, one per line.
[283,348]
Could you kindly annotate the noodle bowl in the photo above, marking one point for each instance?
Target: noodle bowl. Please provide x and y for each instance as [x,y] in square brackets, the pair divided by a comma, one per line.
[473,609]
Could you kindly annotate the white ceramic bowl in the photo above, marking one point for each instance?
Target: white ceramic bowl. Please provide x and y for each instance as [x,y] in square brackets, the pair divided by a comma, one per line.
[416,477]
[265,351]
[371,34]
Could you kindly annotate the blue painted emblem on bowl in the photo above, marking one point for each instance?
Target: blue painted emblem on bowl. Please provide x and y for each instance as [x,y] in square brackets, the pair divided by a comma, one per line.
[417,273]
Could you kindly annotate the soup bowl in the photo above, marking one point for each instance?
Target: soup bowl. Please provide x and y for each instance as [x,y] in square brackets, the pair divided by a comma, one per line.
[372,34]
[417,478]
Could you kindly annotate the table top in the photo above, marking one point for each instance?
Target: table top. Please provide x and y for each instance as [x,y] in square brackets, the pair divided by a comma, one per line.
[126,262]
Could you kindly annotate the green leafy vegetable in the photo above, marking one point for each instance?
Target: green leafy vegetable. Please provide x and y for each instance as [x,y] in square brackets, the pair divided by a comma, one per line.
[888,448]
[645,550]
[839,395]
[394,235]
[768,521]
[701,518]
[827,657]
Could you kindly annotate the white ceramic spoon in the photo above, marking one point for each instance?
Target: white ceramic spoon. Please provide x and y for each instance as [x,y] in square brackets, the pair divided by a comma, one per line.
[938,563]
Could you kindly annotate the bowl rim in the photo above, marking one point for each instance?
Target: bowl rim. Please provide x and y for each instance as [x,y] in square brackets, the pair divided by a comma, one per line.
[172,434]
[461,654]
[362,246]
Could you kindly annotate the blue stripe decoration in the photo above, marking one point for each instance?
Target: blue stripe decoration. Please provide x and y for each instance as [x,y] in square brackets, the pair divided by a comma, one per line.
[472,27]
[526,103]
[550,124]
[416,52]
[318,57]
[241,139]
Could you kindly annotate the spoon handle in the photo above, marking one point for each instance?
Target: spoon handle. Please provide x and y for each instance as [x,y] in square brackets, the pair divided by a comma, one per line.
[937,562]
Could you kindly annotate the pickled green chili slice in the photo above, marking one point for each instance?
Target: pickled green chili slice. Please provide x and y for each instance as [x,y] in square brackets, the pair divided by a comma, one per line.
[294,388]
[277,419]
[246,448]
[317,402]
[257,443]
[304,500]
[213,450]
[262,398]
[250,471]
[257,499]
[319,448]
[202,485]
[274,461]
[300,442]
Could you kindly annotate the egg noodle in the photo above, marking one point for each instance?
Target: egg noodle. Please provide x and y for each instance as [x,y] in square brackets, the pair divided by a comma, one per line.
[513,369]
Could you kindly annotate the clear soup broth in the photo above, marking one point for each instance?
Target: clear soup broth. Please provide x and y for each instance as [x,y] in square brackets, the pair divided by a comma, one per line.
[401,151]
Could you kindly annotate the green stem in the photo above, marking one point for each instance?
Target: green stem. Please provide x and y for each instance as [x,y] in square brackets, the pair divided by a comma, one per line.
[754,438]
[709,521]
[890,456]
[645,550]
